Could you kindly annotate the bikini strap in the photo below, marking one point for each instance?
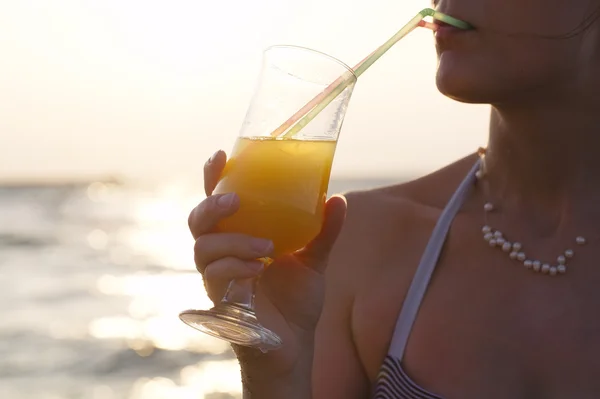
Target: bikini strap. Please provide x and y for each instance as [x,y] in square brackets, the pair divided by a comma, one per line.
[429,260]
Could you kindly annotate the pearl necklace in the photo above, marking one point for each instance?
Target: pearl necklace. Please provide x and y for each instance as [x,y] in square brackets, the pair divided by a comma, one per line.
[496,239]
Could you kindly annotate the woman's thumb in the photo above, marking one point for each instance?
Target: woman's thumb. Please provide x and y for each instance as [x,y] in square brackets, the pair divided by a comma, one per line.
[317,251]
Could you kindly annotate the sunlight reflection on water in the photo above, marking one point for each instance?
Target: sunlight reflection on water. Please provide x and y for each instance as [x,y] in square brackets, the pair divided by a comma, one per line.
[204,380]
[155,298]
[93,278]
[155,301]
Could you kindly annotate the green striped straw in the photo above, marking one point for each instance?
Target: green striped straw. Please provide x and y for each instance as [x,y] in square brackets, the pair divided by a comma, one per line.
[317,104]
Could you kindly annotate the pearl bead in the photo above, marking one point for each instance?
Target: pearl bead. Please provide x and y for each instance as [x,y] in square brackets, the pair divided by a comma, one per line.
[488,207]
[492,242]
[545,268]
[486,229]
[521,256]
[497,233]
[506,247]
[553,270]
[517,246]
[580,240]
[569,253]
[528,264]
[561,260]
[488,236]
[562,269]
[537,265]
[479,174]
[500,241]
[513,255]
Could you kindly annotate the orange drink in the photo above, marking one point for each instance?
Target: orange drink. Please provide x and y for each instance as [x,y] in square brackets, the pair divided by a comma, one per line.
[282,185]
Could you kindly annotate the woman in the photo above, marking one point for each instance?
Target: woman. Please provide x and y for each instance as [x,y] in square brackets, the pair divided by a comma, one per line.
[510,311]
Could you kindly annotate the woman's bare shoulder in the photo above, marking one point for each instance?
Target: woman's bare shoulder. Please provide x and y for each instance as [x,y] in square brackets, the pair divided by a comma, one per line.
[388,219]
[408,201]
[431,190]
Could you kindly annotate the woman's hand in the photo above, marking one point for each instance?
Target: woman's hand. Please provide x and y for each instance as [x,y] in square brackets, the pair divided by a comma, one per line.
[289,294]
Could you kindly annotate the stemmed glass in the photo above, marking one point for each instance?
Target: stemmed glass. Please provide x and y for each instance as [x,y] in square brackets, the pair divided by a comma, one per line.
[281,179]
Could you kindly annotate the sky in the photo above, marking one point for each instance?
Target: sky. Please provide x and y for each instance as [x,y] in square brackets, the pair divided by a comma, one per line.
[150,89]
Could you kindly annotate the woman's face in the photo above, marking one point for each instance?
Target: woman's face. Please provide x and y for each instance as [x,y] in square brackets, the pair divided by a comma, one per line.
[507,58]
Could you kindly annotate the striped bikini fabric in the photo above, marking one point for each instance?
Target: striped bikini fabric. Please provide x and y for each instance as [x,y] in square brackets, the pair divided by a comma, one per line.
[394,383]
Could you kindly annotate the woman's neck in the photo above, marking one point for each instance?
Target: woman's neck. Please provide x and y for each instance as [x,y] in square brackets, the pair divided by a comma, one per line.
[544,164]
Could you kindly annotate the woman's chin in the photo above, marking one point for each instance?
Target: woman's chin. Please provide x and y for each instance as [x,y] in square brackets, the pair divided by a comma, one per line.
[461,81]
[459,92]
[458,89]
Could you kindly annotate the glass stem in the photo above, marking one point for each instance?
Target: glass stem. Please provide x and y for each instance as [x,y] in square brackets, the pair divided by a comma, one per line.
[240,293]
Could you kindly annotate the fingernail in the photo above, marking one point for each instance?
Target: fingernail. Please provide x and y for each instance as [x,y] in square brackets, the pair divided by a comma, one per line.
[214,156]
[255,265]
[262,246]
[226,200]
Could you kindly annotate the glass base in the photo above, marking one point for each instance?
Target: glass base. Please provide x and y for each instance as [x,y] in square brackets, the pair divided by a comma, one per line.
[234,324]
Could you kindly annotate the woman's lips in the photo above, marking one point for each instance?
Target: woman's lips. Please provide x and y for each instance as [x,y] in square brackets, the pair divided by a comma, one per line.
[445,32]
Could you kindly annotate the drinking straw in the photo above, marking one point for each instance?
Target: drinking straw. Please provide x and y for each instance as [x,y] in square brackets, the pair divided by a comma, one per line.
[317,104]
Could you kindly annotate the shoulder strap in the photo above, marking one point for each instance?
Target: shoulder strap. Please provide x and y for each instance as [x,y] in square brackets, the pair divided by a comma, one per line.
[429,260]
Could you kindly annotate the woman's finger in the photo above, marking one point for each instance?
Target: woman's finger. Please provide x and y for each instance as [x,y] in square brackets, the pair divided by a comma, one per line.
[219,274]
[211,247]
[317,251]
[209,212]
[212,171]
